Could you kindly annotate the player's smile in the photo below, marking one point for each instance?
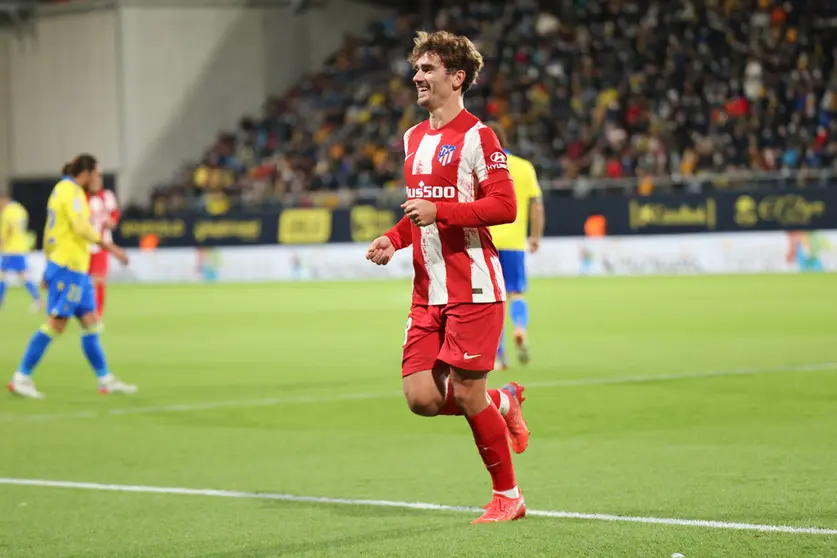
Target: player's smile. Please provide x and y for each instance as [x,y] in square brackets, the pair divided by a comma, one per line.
[423,92]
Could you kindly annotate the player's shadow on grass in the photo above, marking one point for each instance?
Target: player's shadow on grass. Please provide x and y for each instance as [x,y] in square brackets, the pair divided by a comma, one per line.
[345,542]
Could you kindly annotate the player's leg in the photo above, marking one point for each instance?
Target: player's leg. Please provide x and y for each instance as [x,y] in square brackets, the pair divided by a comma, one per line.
[426,380]
[491,438]
[471,325]
[32,288]
[22,382]
[508,265]
[505,257]
[2,283]
[7,265]
[98,272]
[501,363]
[92,346]
[59,307]
[422,377]
[518,309]
[99,286]
[520,320]
[471,336]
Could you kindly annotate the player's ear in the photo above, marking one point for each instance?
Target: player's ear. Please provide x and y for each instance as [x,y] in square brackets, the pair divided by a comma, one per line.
[458,79]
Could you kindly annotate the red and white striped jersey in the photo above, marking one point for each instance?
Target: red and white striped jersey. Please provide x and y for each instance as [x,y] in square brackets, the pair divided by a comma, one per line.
[102,206]
[461,167]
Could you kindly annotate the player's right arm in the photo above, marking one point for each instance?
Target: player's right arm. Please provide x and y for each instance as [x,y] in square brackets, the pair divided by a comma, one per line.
[401,235]
[384,247]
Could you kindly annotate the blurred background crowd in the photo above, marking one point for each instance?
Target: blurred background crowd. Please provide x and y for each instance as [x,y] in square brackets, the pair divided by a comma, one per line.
[640,95]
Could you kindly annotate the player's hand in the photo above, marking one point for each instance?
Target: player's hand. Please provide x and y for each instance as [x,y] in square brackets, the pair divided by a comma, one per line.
[380,251]
[534,244]
[119,254]
[420,212]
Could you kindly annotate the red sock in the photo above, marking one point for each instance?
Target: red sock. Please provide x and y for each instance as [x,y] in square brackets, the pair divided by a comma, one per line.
[494,394]
[451,408]
[489,430]
[100,299]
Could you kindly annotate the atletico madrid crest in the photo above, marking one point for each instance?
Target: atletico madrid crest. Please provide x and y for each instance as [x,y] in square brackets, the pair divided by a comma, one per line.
[446,154]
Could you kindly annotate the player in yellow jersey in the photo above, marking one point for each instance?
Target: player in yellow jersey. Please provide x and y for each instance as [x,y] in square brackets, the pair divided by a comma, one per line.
[14,248]
[67,238]
[511,242]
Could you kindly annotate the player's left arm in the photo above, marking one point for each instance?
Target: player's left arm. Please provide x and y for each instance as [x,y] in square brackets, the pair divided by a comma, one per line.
[113,207]
[499,203]
[73,209]
[537,215]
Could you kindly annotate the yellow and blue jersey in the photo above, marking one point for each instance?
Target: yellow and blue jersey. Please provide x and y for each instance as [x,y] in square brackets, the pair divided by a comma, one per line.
[14,238]
[68,233]
[67,238]
[511,239]
[514,236]
[14,229]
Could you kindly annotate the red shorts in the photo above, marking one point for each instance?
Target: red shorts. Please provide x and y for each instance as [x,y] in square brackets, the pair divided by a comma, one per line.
[464,335]
[99,264]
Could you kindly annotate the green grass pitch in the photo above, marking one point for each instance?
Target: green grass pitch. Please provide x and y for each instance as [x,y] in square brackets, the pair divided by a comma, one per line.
[308,379]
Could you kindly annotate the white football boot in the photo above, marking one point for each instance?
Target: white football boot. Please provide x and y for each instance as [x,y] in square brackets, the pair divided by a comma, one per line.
[112,384]
[24,386]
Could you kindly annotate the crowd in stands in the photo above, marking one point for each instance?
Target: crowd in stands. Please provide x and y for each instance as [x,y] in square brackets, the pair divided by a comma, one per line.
[595,89]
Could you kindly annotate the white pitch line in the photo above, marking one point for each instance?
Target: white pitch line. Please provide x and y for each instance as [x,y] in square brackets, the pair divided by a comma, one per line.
[413,505]
[332,398]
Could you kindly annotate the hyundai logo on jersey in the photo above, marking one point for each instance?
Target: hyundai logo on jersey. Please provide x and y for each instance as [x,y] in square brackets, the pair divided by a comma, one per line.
[446,154]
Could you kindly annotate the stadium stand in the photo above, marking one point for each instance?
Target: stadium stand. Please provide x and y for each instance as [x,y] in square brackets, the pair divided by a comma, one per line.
[696,93]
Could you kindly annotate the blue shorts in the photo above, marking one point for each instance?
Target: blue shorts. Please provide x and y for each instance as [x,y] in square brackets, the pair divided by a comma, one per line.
[513,263]
[15,263]
[69,293]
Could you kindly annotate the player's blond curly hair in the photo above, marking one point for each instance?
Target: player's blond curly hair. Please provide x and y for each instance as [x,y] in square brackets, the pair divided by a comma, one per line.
[456,52]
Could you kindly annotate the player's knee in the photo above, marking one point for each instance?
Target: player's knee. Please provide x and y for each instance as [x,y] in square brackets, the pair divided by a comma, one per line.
[89,321]
[423,403]
[470,396]
[54,327]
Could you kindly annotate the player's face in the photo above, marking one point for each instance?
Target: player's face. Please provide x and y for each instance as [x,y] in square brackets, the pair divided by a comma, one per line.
[434,83]
[95,186]
[88,179]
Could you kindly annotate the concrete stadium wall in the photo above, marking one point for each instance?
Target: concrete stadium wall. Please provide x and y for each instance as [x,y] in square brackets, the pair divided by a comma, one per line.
[5,112]
[187,73]
[157,80]
[61,79]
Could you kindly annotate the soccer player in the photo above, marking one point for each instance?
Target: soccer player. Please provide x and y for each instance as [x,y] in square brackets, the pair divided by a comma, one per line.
[14,248]
[104,215]
[510,240]
[458,184]
[67,238]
